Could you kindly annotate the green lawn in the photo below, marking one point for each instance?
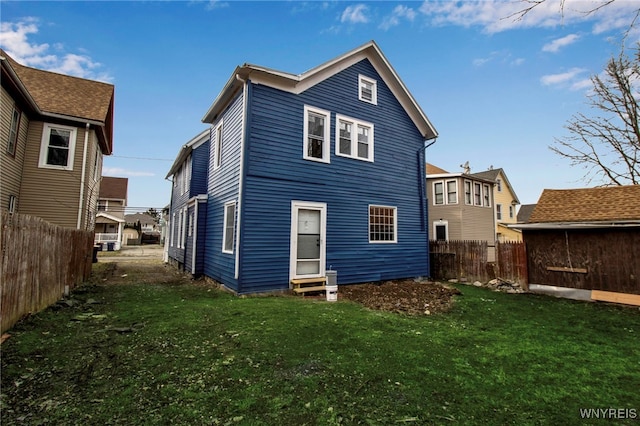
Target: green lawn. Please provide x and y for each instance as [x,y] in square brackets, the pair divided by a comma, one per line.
[187,354]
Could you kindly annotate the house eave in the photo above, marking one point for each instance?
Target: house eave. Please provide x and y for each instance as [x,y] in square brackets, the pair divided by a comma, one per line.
[576,225]
[110,217]
[186,150]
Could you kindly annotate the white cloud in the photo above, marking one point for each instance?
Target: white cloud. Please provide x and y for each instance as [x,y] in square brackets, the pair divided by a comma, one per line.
[14,38]
[118,171]
[562,78]
[355,14]
[216,4]
[399,12]
[499,15]
[503,57]
[556,44]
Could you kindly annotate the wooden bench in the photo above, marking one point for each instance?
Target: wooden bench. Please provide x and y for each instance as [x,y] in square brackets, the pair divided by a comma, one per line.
[304,285]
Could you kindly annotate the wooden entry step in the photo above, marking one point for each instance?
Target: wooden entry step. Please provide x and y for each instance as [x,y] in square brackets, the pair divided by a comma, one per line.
[304,285]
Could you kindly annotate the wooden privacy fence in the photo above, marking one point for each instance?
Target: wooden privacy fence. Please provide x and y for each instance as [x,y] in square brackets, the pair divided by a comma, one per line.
[38,259]
[469,260]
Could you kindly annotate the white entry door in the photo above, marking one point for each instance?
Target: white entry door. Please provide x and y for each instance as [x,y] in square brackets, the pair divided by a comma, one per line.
[308,246]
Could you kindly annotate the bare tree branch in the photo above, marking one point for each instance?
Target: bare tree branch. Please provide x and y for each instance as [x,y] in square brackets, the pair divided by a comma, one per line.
[608,145]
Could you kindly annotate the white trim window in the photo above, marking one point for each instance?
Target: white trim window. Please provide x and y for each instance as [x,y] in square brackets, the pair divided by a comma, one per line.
[97,165]
[487,195]
[186,175]
[354,138]
[498,211]
[173,230]
[438,193]
[12,141]
[57,147]
[183,234]
[383,224]
[367,89]
[477,194]
[511,212]
[452,192]
[12,204]
[228,233]
[451,188]
[468,192]
[317,139]
[217,151]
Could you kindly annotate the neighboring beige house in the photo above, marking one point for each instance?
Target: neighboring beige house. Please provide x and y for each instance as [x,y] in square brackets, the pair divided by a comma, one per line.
[54,131]
[505,202]
[460,206]
[111,205]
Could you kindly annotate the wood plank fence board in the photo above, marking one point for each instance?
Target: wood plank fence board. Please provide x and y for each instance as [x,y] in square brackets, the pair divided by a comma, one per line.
[469,260]
[38,259]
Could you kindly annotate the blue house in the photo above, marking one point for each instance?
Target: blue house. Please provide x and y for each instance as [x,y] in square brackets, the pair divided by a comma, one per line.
[188,208]
[306,173]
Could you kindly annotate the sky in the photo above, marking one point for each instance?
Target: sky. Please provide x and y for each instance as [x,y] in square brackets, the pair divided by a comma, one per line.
[499,90]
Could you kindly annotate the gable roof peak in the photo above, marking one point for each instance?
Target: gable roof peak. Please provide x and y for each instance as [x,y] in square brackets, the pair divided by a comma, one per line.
[298,83]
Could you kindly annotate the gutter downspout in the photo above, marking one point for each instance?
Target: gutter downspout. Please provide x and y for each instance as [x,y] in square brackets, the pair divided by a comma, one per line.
[82,177]
[423,195]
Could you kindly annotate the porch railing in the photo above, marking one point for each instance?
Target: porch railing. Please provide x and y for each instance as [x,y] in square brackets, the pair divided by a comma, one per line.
[106,238]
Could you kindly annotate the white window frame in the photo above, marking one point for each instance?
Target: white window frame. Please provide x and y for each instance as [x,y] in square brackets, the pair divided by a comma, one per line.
[173,230]
[437,184]
[498,211]
[447,192]
[14,131]
[511,213]
[355,126]
[444,223]
[326,143]
[218,146]
[12,204]
[395,224]
[226,228]
[362,80]
[468,190]
[444,184]
[486,200]
[44,146]
[186,175]
[477,194]
[183,234]
[97,166]
[499,185]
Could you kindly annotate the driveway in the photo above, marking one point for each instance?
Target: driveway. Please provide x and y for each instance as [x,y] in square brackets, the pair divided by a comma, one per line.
[131,254]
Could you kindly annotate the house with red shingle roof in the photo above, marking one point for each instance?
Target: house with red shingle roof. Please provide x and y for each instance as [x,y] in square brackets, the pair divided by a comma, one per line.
[585,243]
[112,202]
[55,130]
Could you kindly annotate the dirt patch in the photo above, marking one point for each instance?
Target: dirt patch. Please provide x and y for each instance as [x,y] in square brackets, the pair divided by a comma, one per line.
[404,296]
[144,271]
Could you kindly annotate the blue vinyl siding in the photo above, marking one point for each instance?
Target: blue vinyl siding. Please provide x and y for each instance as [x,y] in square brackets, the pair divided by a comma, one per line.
[276,173]
[199,174]
[223,185]
[198,185]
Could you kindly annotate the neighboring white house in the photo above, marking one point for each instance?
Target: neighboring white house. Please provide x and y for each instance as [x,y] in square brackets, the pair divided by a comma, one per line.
[110,217]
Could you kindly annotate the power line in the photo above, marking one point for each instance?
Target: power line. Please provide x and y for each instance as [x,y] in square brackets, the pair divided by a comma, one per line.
[141,158]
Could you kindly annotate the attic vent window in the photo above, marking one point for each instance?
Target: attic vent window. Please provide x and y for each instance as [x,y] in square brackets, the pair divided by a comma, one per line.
[368,90]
